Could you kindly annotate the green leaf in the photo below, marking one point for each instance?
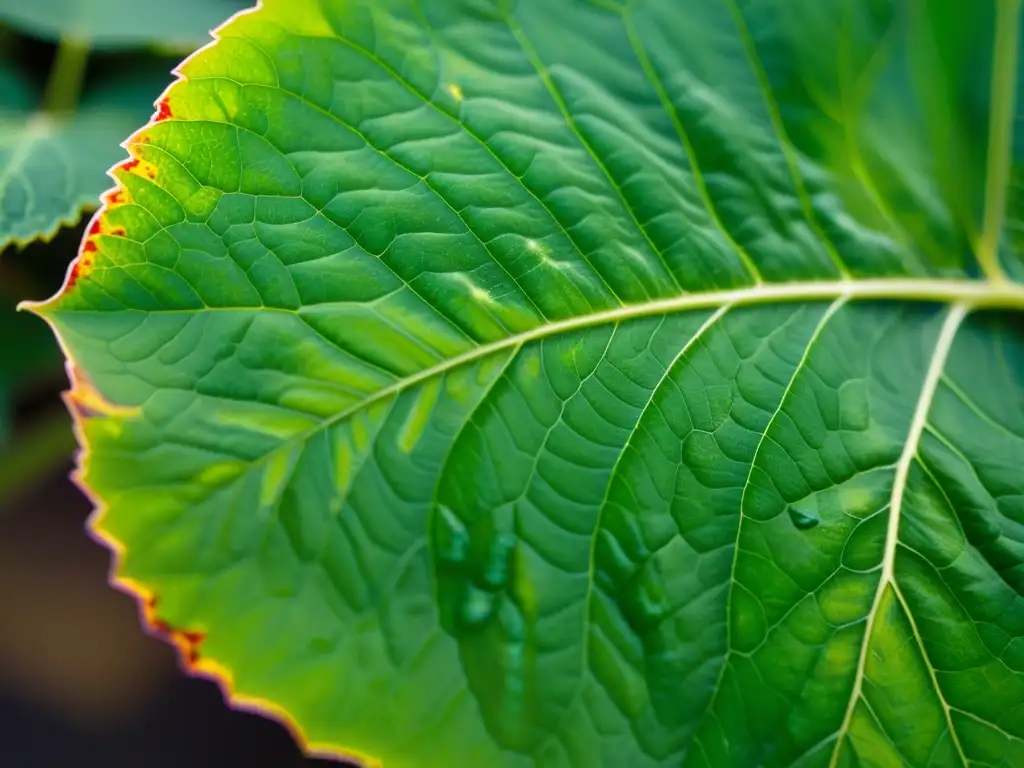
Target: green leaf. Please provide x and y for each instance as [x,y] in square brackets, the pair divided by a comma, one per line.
[113,24]
[54,165]
[577,383]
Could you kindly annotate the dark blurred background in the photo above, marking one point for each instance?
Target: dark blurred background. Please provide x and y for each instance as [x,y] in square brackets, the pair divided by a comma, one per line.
[81,683]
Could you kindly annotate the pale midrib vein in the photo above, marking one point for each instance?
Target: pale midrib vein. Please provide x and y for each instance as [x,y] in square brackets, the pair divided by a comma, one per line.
[976,294]
[936,365]
[1000,135]
[971,294]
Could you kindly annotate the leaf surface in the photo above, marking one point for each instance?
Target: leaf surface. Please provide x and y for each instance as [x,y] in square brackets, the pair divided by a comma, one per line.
[577,383]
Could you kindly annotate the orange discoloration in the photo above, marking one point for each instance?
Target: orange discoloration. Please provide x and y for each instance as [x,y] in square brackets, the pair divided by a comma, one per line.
[84,399]
[186,641]
[119,195]
[138,167]
[187,646]
[116,196]
[87,403]
[163,111]
[99,227]
[127,165]
[82,266]
[73,275]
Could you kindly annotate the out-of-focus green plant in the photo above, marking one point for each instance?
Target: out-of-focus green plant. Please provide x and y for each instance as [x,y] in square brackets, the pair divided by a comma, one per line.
[61,123]
[175,25]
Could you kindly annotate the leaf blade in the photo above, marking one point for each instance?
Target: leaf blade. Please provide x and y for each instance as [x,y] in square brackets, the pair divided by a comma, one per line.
[377,441]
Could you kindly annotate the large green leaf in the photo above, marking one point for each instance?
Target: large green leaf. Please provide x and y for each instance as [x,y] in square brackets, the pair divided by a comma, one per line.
[54,165]
[578,383]
[113,24]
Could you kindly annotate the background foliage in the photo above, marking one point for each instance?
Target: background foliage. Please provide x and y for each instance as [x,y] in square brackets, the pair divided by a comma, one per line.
[79,682]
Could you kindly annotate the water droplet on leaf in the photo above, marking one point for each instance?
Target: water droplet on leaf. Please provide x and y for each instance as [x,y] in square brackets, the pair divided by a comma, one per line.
[495,571]
[803,519]
[451,539]
[477,606]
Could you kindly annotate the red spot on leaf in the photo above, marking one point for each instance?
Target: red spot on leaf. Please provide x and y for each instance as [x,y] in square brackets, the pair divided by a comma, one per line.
[163,111]
[115,196]
[95,228]
[116,231]
[82,266]
[186,641]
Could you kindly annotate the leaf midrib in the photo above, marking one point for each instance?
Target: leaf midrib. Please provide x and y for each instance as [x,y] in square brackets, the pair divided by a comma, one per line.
[972,294]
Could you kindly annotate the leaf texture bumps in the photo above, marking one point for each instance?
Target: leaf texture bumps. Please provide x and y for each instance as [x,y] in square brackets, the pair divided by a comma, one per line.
[576,383]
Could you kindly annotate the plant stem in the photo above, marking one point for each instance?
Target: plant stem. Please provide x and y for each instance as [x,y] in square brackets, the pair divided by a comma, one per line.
[1000,135]
[66,75]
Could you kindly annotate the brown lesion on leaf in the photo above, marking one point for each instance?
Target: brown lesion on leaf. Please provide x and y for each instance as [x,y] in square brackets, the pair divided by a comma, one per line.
[163,110]
[187,642]
[116,196]
[83,265]
[113,198]
[99,227]
[119,195]
[138,167]
[127,165]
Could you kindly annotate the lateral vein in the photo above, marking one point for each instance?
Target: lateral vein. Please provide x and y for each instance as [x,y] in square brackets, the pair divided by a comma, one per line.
[943,344]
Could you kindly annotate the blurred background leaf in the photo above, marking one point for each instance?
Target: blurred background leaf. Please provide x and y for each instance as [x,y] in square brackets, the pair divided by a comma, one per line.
[114,24]
[54,163]
[77,77]
[80,684]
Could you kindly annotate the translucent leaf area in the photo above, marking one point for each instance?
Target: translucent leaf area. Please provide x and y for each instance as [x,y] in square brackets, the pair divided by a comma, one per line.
[577,383]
